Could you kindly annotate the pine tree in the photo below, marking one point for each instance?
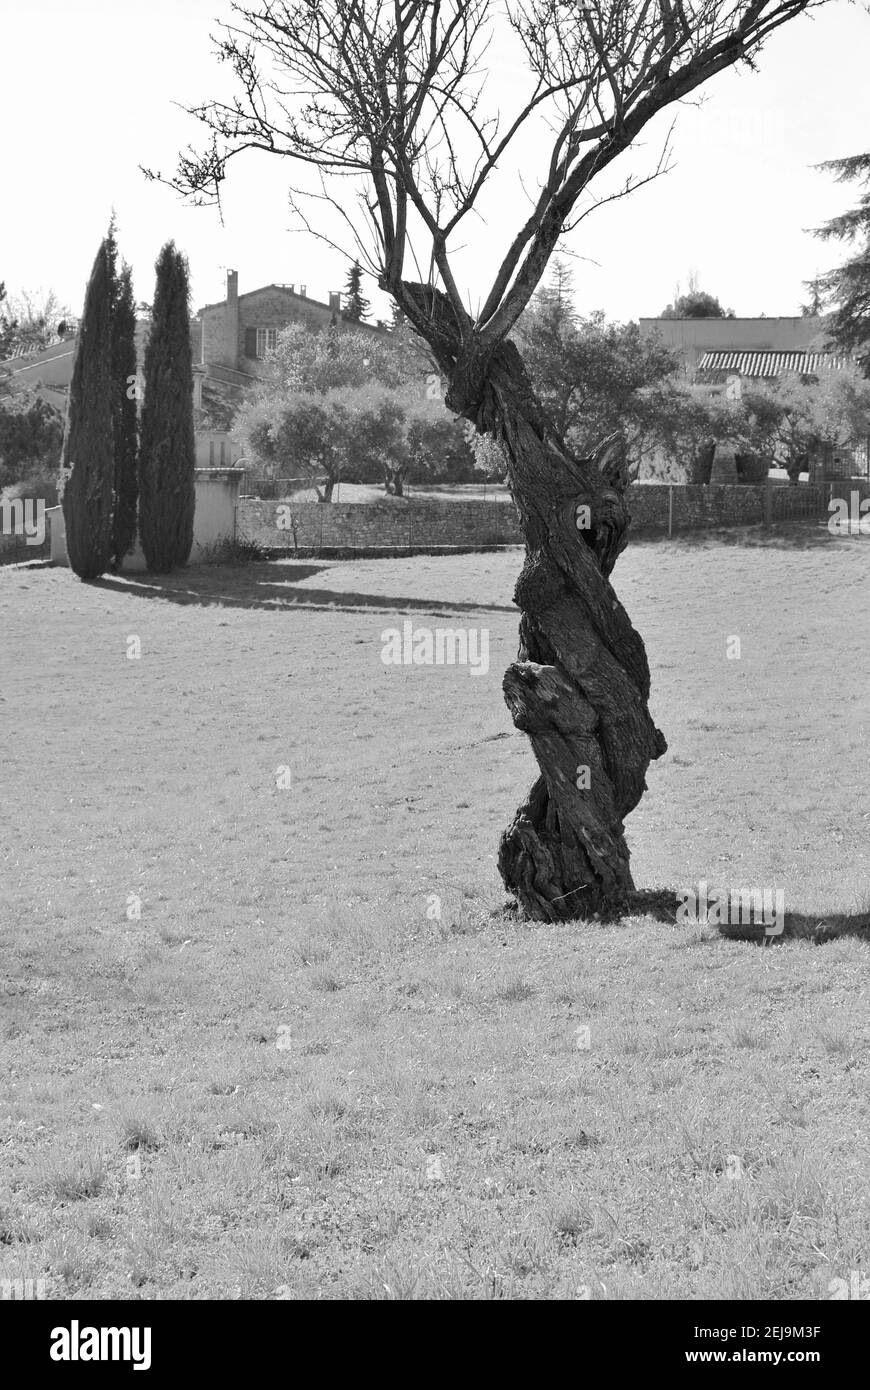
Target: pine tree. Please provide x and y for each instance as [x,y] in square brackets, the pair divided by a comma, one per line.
[847,288]
[554,301]
[125,421]
[356,307]
[167,455]
[88,449]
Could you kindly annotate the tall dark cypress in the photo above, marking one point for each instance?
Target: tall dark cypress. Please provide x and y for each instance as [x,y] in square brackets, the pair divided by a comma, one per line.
[88,444]
[125,417]
[167,454]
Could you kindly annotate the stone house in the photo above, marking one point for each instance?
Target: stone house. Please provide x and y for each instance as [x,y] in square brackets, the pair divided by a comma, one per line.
[230,340]
[237,332]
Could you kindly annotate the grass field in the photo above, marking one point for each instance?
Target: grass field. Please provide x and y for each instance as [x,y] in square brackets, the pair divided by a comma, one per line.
[242,1055]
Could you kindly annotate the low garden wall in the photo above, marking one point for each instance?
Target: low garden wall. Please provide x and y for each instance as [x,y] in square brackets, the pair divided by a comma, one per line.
[376,525]
[214,520]
[430,525]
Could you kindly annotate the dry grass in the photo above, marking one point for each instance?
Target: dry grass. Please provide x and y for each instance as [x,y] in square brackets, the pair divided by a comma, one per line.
[290,1076]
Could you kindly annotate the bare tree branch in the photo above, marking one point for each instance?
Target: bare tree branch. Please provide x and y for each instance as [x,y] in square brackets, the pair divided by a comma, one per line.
[393,90]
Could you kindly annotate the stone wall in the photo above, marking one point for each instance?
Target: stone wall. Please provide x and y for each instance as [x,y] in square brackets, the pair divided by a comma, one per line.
[424,525]
[372,526]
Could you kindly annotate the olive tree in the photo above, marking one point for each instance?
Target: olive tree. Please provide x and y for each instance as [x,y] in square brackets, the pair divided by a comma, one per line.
[400,95]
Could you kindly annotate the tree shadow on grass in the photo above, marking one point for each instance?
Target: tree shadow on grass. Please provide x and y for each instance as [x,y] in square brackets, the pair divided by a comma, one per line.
[270,586]
[661,904]
[797,535]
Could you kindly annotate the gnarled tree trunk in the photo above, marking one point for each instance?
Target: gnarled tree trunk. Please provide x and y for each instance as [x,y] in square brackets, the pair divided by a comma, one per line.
[580,685]
[394,481]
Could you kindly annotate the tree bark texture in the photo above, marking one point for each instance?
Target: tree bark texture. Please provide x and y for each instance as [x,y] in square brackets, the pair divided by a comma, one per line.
[580,685]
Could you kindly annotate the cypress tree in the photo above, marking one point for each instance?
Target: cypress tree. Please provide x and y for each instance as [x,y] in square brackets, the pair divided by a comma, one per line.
[167,454]
[356,306]
[87,445]
[125,421]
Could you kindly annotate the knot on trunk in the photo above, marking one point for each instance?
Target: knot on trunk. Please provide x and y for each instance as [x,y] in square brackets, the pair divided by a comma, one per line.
[541,583]
[468,389]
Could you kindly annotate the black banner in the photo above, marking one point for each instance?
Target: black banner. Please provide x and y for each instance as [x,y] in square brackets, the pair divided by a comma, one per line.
[150,1338]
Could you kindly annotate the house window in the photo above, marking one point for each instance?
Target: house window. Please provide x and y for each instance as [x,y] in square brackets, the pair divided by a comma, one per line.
[267,340]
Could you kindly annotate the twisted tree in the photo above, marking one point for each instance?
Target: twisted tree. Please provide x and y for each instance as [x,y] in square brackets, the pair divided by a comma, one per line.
[394,92]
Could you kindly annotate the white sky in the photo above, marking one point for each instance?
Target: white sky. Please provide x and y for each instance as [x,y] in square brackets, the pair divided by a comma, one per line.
[87,95]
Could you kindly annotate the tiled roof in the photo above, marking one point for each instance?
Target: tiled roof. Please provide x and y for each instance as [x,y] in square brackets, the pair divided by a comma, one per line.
[292,293]
[771,364]
[287,289]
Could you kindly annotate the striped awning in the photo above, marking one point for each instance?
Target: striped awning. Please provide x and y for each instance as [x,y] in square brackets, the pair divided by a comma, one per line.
[770,364]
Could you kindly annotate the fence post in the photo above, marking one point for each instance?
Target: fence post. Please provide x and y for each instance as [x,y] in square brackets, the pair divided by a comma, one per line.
[767,505]
[670,510]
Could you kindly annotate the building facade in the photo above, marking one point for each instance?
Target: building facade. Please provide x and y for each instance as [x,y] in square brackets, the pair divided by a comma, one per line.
[692,339]
[230,341]
[237,332]
[725,356]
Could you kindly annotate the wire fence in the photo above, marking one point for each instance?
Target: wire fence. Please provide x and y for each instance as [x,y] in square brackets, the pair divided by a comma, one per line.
[800,502]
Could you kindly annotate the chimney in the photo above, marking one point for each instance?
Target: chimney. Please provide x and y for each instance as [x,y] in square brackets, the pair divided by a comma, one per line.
[231,338]
[335,301]
[303,290]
